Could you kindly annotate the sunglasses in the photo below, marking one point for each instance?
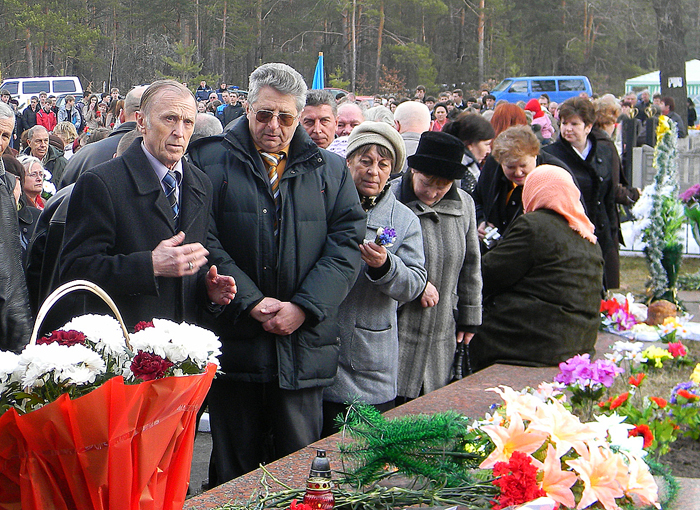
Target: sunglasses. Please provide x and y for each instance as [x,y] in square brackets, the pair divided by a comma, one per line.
[265,116]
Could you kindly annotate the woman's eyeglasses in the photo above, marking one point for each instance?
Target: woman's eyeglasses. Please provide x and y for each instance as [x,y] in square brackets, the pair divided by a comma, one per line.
[265,116]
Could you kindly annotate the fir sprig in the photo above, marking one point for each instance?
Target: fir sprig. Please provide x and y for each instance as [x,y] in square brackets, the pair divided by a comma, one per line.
[427,446]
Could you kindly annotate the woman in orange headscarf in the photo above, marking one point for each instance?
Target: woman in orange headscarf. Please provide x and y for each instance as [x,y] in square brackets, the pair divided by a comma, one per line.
[543,281]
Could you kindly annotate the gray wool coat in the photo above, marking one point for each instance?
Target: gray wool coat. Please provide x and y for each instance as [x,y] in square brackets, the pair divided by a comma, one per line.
[427,336]
[369,342]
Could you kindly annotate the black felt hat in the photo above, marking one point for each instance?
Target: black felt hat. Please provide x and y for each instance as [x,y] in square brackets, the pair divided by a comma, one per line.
[439,154]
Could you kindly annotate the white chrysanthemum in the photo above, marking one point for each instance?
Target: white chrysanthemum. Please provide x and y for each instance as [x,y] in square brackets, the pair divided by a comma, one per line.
[103,330]
[151,340]
[64,364]
[178,342]
[8,364]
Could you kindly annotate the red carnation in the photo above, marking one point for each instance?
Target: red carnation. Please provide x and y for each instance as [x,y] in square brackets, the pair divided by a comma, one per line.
[659,401]
[517,481]
[63,338]
[677,349]
[636,380]
[645,432]
[608,307]
[619,401]
[148,366]
[299,506]
[140,326]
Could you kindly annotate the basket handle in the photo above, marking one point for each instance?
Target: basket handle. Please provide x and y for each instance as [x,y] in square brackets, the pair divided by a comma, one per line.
[67,288]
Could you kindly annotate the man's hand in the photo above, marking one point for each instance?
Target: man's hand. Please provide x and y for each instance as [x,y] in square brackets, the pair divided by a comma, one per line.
[430,296]
[287,320]
[266,309]
[172,260]
[220,289]
[373,254]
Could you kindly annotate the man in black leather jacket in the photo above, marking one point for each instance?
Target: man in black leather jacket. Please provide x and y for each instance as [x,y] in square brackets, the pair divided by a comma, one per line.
[15,318]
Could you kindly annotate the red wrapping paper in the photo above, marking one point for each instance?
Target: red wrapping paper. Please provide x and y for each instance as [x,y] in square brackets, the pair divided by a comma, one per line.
[121,447]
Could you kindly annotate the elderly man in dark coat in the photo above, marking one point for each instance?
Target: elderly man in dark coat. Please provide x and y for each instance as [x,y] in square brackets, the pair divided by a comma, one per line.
[287,224]
[136,225]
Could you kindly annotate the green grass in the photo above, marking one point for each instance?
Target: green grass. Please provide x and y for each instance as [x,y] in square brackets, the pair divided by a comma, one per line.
[634,272]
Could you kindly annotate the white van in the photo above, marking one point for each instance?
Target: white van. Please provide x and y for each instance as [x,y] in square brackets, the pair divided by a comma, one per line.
[23,89]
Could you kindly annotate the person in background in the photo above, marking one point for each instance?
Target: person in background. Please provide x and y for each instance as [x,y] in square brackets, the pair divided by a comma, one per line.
[498,195]
[320,117]
[692,113]
[28,216]
[592,165]
[67,133]
[440,117]
[476,134]
[33,181]
[50,157]
[668,108]
[392,273]
[540,119]
[448,311]
[412,119]
[542,281]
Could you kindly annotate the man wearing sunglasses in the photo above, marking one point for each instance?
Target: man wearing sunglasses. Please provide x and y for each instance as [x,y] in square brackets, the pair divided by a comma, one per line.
[287,225]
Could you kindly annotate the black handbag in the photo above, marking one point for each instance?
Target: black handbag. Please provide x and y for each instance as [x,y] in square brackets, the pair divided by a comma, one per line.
[461,366]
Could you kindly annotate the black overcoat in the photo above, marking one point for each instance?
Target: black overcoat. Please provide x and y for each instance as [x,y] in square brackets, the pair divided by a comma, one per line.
[117,215]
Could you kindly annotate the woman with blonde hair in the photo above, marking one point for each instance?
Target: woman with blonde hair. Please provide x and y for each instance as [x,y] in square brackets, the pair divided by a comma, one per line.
[66,131]
[498,195]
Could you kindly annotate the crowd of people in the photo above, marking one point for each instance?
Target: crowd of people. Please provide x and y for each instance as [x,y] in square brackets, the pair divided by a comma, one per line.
[341,251]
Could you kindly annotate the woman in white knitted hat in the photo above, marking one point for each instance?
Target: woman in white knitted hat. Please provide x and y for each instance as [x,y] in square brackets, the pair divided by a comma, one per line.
[392,272]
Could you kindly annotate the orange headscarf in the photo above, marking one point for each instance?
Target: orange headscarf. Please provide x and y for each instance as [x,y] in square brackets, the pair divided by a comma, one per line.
[551,187]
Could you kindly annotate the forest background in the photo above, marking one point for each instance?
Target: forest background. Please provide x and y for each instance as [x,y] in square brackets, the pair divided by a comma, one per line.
[371,46]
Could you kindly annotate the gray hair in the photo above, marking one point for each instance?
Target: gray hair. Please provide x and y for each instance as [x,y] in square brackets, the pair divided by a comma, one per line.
[380,114]
[156,87]
[206,125]
[6,112]
[29,161]
[317,97]
[34,129]
[132,101]
[281,77]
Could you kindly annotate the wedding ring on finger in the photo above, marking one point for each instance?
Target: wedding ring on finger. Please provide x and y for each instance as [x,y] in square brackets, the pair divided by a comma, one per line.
[190,265]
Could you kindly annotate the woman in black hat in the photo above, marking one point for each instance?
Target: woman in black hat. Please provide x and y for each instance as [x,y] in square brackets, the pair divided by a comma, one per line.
[449,310]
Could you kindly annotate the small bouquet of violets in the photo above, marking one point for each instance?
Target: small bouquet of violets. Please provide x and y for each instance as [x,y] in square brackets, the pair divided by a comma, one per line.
[386,236]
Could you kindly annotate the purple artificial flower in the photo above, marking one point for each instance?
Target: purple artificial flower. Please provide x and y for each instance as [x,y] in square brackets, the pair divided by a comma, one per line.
[623,319]
[580,371]
[690,193]
[605,372]
[574,370]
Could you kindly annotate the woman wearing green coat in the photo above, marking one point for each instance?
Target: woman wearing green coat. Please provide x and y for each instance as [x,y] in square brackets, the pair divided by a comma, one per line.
[543,281]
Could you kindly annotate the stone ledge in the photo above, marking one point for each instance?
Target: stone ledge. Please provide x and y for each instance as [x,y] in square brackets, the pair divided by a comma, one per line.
[467,396]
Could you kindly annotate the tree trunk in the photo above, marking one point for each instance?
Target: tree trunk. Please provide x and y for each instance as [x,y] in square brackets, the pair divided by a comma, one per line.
[30,55]
[353,76]
[480,37]
[223,42]
[258,35]
[379,45]
[671,53]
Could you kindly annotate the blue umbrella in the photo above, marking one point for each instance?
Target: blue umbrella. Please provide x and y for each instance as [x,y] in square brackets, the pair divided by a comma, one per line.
[318,82]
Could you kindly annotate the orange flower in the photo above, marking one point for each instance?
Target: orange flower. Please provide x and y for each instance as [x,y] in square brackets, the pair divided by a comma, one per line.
[686,394]
[619,400]
[659,402]
[636,380]
[556,482]
[641,486]
[600,477]
[565,430]
[645,432]
[507,440]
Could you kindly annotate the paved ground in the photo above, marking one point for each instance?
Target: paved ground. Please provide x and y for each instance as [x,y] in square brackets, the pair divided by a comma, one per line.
[200,463]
